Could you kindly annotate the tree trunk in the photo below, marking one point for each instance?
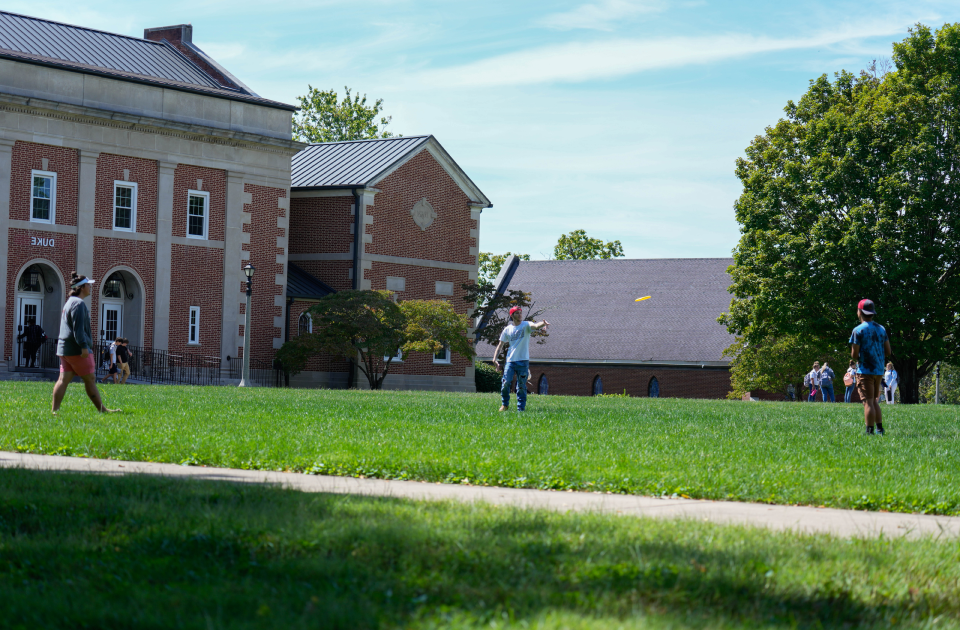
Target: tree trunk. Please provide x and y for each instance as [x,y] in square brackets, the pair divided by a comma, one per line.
[909,380]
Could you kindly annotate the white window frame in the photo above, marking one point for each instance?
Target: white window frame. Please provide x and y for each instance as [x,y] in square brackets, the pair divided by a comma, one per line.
[53,195]
[193,327]
[396,359]
[133,205]
[309,322]
[206,213]
[444,361]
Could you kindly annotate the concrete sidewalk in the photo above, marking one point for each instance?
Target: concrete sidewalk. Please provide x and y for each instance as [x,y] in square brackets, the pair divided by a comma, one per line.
[848,523]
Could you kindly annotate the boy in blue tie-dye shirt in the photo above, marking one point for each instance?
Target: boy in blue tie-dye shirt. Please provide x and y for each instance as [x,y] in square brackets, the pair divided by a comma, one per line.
[869,343]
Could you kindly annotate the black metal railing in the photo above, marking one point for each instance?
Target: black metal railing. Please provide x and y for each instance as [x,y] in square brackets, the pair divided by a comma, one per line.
[262,373]
[39,356]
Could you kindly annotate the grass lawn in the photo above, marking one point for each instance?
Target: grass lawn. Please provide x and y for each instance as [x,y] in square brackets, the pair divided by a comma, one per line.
[142,552]
[773,452]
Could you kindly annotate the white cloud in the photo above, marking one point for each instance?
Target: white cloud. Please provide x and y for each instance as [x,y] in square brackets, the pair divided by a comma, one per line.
[577,62]
[601,16]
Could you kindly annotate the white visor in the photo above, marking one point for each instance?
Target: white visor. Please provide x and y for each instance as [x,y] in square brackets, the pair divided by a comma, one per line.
[82,282]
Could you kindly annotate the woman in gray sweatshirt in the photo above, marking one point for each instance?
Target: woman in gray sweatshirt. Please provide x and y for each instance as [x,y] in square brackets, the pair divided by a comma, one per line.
[75,345]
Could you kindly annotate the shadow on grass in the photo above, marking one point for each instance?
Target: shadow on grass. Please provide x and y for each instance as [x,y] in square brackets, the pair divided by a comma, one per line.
[97,551]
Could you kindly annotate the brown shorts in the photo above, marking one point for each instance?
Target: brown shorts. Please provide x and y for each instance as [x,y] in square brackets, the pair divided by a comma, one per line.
[869,386]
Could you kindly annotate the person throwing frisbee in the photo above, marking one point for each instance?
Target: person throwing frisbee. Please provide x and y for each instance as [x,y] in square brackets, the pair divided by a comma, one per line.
[75,346]
[517,334]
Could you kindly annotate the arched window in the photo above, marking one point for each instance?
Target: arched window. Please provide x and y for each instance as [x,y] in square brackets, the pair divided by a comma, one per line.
[653,389]
[543,387]
[31,281]
[597,386]
[304,324]
[114,286]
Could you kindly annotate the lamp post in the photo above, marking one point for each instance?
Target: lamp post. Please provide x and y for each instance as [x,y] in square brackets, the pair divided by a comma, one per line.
[245,377]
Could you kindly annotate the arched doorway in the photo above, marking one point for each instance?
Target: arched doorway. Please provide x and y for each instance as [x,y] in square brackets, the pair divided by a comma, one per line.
[653,388]
[37,300]
[597,385]
[121,311]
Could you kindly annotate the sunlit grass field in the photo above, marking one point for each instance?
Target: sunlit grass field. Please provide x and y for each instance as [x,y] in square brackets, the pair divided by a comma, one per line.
[813,454]
[84,551]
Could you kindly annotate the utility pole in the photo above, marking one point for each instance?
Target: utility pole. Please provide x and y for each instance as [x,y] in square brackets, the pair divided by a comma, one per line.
[936,396]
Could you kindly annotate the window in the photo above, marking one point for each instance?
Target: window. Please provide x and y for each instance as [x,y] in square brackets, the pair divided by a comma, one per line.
[597,386]
[194,329]
[399,356]
[543,387]
[32,280]
[113,287]
[43,197]
[304,324]
[653,389]
[125,206]
[443,356]
[198,204]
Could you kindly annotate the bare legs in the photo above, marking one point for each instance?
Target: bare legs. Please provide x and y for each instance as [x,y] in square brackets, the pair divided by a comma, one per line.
[89,384]
[871,412]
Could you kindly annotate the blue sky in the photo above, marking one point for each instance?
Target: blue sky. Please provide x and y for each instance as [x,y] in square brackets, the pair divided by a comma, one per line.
[620,117]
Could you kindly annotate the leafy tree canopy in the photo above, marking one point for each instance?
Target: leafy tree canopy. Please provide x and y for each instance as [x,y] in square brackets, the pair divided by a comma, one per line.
[322,118]
[949,386]
[368,328]
[855,194]
[578,246]
[491,264]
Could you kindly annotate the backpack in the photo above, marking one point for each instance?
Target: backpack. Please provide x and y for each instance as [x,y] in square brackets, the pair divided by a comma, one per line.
[105,355]
[806,380]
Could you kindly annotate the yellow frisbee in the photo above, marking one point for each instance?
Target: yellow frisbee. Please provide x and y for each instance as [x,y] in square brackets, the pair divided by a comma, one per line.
[646,297]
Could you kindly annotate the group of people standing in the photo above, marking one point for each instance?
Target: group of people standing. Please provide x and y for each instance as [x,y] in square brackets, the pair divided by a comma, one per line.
[821,379]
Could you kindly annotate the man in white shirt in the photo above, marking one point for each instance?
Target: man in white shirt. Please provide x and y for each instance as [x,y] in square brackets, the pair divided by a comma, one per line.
[813,378]
[517,335]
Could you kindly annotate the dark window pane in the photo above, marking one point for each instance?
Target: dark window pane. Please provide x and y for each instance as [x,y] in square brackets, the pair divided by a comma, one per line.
[41,209]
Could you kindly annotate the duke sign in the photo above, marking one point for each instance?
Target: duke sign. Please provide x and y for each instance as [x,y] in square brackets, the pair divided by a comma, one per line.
[41,242]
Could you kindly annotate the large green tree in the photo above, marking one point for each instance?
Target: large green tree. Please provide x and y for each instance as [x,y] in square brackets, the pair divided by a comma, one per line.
[368,328]
[854,194]
[491,264]
[578,246]
[325,118]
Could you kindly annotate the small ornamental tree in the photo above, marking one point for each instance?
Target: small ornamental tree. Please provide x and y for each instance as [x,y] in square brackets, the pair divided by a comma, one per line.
[491,264]
[368,329]
[578,246]
[324,118]
[492,312]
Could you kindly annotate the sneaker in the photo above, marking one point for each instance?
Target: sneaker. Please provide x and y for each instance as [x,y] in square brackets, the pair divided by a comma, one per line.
[870,431]
[880,431]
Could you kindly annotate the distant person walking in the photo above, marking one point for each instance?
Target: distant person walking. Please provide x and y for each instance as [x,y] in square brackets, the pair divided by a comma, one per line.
[868,345]
[124,355]
[32,337]
[826,382]
[75,346]
[850,380]
[890,382]
[812,380]
[517,334]
[110,362]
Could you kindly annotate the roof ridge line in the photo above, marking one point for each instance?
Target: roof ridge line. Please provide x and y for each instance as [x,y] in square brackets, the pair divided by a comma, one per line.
[323,144]
[77,26]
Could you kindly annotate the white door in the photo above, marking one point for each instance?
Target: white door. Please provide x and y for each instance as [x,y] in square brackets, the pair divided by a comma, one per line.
[28,309]
[111,321]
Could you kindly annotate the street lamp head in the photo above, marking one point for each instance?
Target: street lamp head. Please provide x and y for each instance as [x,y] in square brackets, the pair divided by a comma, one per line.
[248,270]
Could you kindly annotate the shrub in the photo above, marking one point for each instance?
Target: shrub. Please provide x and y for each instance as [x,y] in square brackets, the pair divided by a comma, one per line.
[486,377]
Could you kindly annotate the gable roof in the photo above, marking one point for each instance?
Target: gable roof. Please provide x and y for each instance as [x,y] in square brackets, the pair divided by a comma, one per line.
[301,284]
[362,163]
[44,42]
[594,318]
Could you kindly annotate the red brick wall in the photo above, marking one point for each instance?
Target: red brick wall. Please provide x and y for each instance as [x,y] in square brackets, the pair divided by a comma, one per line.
[421,285]
[324,362]
[394,231]
[63,256]
[263,255]
[141,256]
[320,225]
[197,280]
[65,163]
[674,382]
[336,273]
[215,182]
[142,172]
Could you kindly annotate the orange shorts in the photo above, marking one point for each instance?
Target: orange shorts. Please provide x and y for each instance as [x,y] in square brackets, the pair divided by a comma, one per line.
[78,365]
[869,386]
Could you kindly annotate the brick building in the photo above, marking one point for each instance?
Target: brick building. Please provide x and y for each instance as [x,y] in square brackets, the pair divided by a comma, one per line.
[416,235]
[144,164]
[602,341]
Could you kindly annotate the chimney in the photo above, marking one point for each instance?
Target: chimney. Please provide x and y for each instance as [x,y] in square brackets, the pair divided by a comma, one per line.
[173,34]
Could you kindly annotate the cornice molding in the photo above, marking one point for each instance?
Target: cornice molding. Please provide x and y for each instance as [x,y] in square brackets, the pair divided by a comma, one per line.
[146,124]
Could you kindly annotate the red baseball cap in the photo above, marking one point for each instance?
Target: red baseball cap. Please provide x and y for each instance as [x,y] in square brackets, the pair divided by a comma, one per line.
[515,309]
[867,307]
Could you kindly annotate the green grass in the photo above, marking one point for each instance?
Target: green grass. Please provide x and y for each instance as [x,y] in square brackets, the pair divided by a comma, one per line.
[143,552]
[772,452]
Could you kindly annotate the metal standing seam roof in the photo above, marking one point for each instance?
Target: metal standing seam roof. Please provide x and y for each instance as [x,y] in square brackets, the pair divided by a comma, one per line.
[301,284]
[593,316]
[350,163]
[42,41]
